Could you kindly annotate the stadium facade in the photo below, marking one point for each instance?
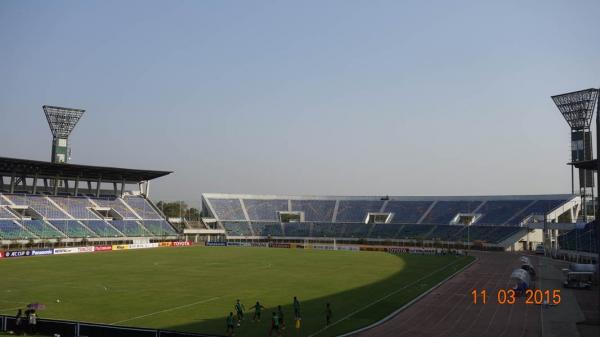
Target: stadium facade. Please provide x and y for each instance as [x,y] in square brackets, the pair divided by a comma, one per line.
[514,222]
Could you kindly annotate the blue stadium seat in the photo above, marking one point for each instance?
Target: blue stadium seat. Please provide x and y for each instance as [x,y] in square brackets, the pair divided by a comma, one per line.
[267,228]
[315,210]
[497,212]
[102,228]
[10,230]
[130,228]
[328,230]
[41,229]
[407,211]
[237,228]
[357,210]
[265,210]
[72,228]
[158,227]
[444,211]
[228,209]
[296,229]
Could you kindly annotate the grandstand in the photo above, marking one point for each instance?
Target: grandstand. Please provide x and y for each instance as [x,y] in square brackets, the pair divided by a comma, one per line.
[44,202]
[495,221]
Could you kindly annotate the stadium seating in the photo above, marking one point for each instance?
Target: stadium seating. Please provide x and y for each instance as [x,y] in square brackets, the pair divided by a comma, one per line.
[497,212]
[72,228]
[410,231]
[315,210]
[228,209]
[40,204]
[237,228]
[385,231]
[158,227]
[142,207]
[67,216]
[5,214]
[77,207]
[115,204]
[41,229]
[129,228]
[10,230]
[265,210]
[296,229]
[357,210]
[444,211]
[407,211]
[267,229]
[540,207]
[328,230]
[357,230]
[581,239]
[445,232]
[102,228]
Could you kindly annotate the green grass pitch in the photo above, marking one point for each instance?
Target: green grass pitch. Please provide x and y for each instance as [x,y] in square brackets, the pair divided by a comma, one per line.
[194,288]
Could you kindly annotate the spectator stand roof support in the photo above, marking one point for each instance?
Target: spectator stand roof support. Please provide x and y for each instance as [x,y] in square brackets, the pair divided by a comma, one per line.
[52,174]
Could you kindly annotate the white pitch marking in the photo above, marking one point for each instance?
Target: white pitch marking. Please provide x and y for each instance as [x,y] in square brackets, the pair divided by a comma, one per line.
[166,310]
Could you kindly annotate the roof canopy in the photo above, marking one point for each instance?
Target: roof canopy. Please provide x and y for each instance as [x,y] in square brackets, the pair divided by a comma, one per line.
[29,168]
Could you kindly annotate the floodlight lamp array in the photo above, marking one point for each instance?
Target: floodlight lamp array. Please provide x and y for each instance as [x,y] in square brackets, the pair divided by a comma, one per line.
[62,120]
[577,107]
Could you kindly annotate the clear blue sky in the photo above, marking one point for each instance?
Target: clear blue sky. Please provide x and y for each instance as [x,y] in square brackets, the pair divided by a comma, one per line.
[311,97]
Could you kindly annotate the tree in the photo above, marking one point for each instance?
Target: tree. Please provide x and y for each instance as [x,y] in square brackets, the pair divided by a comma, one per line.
[178,209]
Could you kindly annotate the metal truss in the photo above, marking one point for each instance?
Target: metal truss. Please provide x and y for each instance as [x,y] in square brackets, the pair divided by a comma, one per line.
[62,120]
[577,107]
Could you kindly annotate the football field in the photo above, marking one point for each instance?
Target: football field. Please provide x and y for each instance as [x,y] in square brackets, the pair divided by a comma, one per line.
[194,288]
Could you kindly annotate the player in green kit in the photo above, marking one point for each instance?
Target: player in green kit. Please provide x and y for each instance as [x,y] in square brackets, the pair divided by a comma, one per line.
[239,309]
[275,325]
[257,310]
[280,315]
[230,324]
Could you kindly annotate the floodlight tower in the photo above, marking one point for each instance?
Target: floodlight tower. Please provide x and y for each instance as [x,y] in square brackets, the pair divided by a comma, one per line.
[578,109]
[61,121]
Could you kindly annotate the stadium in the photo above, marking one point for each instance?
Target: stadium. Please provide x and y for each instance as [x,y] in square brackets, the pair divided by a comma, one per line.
[416,254]
[88,251]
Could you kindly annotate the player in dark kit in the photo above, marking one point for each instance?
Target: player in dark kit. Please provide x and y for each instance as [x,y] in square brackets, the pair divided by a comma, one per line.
[296,308]
[257,310]
[230,324]
[328,314]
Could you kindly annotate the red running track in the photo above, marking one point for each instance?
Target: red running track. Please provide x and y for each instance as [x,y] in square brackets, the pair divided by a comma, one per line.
[449,309]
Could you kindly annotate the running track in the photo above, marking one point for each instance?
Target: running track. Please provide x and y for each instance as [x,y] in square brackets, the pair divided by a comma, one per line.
[449,309]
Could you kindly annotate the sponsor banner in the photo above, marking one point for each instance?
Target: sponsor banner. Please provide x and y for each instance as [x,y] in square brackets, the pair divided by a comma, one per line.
[143,245]
[66,250]
[280,245]
[323,247]
[350,248]
[120,247]
[259,244]
[17,253]
[165,244]
[39,252]
[189,243]
[210,244]
[372,249]
[102,248]
[88,249]
[239,244]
